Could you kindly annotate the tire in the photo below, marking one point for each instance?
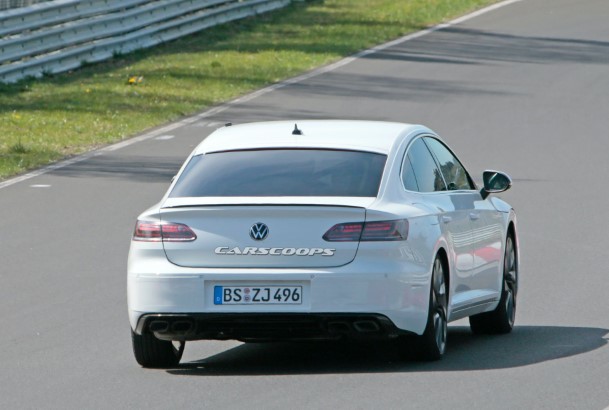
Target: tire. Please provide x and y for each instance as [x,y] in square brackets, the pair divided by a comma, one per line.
[432,343]
[155,353]
[501,320]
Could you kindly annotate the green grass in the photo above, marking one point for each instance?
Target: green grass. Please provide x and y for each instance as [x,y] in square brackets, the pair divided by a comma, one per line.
[44,120]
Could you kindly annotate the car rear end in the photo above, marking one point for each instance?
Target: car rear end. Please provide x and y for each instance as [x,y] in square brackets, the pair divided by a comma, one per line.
[269,244]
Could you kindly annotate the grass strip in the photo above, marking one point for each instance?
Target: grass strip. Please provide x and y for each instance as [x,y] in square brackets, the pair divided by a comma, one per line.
[45,120]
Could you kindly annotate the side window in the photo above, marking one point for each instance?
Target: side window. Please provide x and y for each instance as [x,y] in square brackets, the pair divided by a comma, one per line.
[410,182]
[425,173]
[454,173]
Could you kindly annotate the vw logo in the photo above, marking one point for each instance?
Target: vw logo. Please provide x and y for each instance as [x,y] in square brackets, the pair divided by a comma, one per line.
[259,231]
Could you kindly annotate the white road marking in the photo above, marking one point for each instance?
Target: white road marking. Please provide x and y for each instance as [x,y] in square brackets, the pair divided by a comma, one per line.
[40,186]
[164,137]
[221,108]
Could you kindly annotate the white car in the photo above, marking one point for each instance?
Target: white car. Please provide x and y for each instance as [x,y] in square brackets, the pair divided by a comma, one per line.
[321,230]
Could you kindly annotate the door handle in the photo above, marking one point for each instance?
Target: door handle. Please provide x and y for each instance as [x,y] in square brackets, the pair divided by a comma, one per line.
[474,216]
[446,219]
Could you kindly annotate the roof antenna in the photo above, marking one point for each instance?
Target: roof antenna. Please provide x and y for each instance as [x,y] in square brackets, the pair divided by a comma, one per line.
[296,130]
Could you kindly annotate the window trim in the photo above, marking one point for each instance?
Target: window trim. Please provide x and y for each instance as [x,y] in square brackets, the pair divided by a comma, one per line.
[420,136]
[469,177]
[433,156]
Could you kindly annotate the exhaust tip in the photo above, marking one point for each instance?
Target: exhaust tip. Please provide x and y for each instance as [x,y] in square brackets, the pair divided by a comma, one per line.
[158,326]
[339,327]
[181,326]
[366,326]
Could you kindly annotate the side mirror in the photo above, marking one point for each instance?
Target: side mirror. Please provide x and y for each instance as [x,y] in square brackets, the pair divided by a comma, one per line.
[495,182]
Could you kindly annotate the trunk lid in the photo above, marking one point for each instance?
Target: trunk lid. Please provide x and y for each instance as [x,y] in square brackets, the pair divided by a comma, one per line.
[288,235]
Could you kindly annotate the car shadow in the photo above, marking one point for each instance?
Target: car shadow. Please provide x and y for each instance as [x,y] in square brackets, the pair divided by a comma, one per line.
[526,345]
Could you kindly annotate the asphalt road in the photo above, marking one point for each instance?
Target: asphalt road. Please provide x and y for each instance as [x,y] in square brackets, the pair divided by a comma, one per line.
[523,88]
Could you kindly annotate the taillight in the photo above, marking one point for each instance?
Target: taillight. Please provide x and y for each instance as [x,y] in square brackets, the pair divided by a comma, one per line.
[396,230]
[385,231]
[344,232]
[162,231]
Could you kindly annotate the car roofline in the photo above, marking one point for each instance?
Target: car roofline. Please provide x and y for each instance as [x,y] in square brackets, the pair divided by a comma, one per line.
[353,135]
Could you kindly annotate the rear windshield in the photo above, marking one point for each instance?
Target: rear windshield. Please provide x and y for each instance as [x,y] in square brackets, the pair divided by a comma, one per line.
[282,172]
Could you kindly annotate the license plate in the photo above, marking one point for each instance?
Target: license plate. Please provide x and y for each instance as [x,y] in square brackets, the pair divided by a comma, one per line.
[257,295]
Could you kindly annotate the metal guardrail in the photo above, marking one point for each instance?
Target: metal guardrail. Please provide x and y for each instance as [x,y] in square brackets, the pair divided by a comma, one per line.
[55,12]
[10,4]
[77,32]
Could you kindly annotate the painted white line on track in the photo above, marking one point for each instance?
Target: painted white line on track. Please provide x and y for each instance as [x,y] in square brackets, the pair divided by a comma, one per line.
[40,186]
[164,137]
[221,108]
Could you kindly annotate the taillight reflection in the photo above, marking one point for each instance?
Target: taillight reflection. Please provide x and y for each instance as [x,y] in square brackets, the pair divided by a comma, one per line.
[396,230]
[166,232]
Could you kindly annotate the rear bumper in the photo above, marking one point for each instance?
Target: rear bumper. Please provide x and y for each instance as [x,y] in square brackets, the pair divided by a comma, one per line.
[268,327]
[388,283]
[389,298]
